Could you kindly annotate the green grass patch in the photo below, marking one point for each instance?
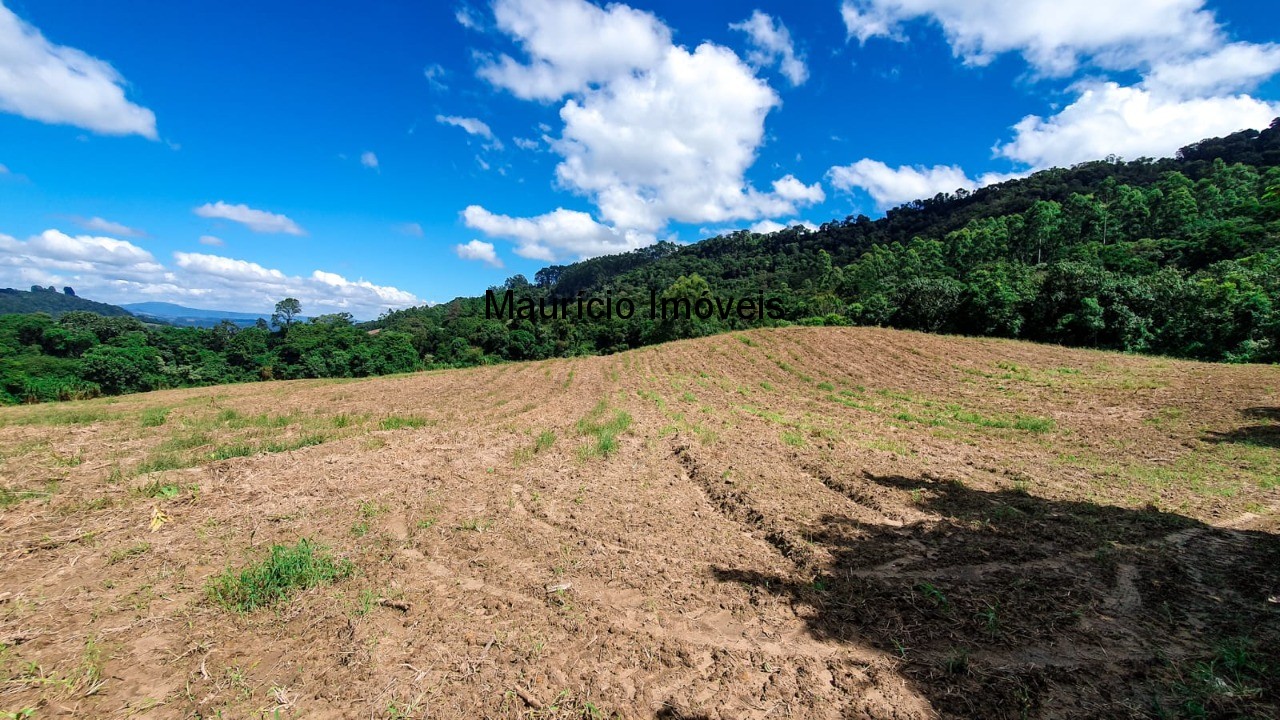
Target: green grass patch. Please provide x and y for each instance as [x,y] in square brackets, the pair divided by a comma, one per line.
[285,572]
[161,463]
[603,429]
[155,417]
[792,438]
[234,450]
[62,417]
[1033,424]
[544,441]
[9,496]
[398,422]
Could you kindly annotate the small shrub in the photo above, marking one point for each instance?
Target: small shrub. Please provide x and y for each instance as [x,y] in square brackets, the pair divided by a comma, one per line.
[285,572]
[157,489]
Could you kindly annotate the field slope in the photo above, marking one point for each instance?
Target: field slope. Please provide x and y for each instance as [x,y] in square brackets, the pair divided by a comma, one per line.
[808,522]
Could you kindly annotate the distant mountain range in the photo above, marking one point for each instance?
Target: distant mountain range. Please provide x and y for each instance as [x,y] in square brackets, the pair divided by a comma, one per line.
[192,317]
[58,304]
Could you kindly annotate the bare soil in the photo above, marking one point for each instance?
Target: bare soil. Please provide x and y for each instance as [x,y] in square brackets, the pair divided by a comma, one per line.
[804,523]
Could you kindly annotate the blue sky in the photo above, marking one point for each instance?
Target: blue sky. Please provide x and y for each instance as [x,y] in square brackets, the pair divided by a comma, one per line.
[227,154]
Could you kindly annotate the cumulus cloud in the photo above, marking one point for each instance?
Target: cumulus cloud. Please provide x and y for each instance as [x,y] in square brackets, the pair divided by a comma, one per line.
[572,44]
[889,186]
[114,270]
[557,234]
[97,224]
[1236,66]
[765,227]
[525,143]
[369,160]
[1192,77]
[771,44]
[73,253]
[1053,36]
[211,240]
[62,85]
[478,250]
[652,132]
[256,220]
[1108,118]
[789,188]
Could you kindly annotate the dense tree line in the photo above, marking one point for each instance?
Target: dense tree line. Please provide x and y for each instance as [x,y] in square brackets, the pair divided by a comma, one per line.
[1179,256]
[83,354]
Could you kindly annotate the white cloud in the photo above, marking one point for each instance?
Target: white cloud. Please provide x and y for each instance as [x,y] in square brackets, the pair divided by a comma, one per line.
[211,240]
[1053,36]
[62,85]
[1131,122]
[478,250]
[771,43]
[369,160]
[247,284]
[672,143]
[435,75]
[466,17]
[98,224]
[3,170]
[473,127]
[1237,66]
[66,252]
[572,44]
[894,186]
[525,143]
[653,132]
[256,220]
[765,227]
[557,234]
[789,188]
[1188,65]
[411,229]
[111,270]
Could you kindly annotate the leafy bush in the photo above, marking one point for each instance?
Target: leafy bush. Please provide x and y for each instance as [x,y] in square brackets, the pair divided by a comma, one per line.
[286,571]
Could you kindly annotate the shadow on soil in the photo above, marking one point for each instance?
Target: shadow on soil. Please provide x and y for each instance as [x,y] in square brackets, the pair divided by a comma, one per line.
[1257,435]
[1008,605]
[1262,413]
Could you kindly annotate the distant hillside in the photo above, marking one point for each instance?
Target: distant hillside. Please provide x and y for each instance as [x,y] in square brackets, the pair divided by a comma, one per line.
[193,317]
[1175,256]
[52,302]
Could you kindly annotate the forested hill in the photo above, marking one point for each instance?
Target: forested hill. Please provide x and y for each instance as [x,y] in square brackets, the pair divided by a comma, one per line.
[54,302]
[1177,256]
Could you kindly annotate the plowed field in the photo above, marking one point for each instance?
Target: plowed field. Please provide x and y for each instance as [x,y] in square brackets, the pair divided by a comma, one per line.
[804,523]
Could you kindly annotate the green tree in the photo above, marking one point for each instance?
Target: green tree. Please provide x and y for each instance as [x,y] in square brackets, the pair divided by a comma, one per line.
[287,310]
